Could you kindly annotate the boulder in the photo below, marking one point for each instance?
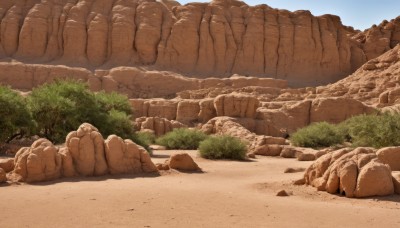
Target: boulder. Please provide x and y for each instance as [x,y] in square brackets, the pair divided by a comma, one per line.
[353,173]
[390,156]
[7,164]
[126,157]
[86,146]
[40,162]
[183,162]
[268,150]
[374,179]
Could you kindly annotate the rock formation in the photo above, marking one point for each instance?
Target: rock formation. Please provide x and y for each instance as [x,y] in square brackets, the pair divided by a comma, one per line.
[354,173]
[86,146]
[220,38]
[125,157]
[40,162]
[86,154]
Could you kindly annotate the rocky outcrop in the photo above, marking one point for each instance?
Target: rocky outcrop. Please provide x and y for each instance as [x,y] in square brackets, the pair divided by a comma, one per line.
[221,38]
[376,82]
[158,126]
[236,105]
[86,154]
[125,157]
[390,156]
[86,146]
[353,173]
[40,162]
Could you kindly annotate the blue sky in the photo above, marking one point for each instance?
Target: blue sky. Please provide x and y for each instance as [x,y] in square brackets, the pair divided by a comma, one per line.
[360,14]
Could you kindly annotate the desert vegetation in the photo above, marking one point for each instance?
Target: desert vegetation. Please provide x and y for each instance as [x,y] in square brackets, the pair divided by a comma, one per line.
[55,109]
[223,147]
[375,130]
[182,138]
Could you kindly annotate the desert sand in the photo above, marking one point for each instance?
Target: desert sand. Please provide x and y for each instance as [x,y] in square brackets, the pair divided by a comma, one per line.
[226,194]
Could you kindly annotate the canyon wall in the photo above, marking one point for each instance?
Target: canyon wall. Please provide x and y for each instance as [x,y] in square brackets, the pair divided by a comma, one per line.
[215,39]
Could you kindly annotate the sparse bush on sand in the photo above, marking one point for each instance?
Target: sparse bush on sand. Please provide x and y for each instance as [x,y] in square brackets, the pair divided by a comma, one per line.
[317,135]
[376,130]
[182,138]
[372,130]
[223,147]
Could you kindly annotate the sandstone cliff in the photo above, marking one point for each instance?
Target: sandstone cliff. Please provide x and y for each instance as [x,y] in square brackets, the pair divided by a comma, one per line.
[219,38]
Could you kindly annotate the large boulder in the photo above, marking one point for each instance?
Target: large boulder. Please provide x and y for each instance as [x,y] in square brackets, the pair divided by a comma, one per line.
[7,164]
[86,146]
[126,157]
[353,173]
[396,181]
[390,156]
[40,162]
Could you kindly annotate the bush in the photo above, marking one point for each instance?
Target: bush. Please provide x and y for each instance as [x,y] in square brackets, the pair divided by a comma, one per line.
[182,138]
[116,101]
[62,106]
[146,137]
[15,118]
[372,130]
[223,147]
[317,135]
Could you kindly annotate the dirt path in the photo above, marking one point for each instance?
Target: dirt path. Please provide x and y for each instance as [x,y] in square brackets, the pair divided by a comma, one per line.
[228,194]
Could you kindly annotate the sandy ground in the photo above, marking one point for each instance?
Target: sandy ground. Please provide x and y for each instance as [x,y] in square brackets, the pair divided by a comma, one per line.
[227,194]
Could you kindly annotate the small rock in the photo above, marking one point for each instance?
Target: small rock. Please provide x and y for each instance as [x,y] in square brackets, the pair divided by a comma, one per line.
[294,170]
[301,181]
[282,193]
[251,155]
[162,166]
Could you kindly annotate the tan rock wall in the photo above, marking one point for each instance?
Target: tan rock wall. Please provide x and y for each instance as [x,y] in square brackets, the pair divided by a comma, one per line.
[219,38]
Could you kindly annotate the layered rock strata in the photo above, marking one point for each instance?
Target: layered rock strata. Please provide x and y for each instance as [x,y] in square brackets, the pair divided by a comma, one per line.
[219,38]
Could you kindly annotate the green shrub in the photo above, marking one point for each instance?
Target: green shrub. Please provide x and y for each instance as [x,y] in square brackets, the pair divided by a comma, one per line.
[182,138]
[372,130]
[15,118]
[223,147]
[146,137]
[62,106]
[317,135]
[116,101]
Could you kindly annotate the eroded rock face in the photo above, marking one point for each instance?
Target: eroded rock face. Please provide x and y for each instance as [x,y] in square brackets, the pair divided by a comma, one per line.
[125,157]
[354,173]
[390,156]
[236,105]
[86,146]
[40,162]
[217,38]
[158,126]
